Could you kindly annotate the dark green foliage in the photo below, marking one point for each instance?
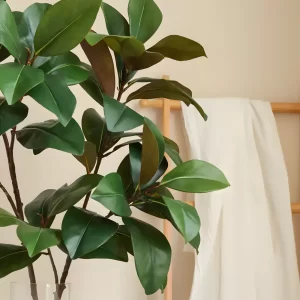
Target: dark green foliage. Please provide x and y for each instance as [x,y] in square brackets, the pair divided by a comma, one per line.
[40,40]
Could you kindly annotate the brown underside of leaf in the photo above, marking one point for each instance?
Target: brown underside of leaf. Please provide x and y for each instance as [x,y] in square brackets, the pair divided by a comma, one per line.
[103,65]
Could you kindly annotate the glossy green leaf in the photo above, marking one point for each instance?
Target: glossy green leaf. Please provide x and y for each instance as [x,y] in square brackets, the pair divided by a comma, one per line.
[195,242]
[9,37]
[119,146]
[124,170]
[116,24]
[54,95]
[37,239]
[84,231]
[119,117]
[145,18]
[135,156]
[110,193]
[162,168]
[170,89]
[67,67]
[14,258]
[36,210]
[4,54]
[64,26]
[11,115]
[93,88]
[52,134]
[28,23]
[103,65]
[179,48]
[152,254]
[69,195]
[112,249]
[7,219]
[172,150]
[17,80]
[94,127]
[145,60]
[123,45]
[195,176]
[185,217]
[89,157]
[153,151]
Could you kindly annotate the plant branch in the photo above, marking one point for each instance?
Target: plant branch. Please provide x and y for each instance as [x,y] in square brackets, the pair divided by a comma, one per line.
[88,195]
[19,205]
[12,169]
[53,266]
[10,199]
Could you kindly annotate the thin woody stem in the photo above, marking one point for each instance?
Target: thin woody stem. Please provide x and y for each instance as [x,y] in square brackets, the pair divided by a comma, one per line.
[19,205]
[10,199]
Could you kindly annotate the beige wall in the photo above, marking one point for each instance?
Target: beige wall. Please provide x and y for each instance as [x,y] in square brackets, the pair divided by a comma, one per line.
[253,49]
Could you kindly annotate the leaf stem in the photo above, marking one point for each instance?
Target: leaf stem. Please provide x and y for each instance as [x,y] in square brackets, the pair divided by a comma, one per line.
[10,199]
[53,266]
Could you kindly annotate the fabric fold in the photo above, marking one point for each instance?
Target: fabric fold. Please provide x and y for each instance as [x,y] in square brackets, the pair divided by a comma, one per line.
[247,249]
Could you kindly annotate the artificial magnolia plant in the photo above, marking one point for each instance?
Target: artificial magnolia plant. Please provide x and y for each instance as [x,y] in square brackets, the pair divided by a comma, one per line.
[40,41]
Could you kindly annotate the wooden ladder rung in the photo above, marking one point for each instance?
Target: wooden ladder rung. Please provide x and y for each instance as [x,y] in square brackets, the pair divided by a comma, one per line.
[295,207]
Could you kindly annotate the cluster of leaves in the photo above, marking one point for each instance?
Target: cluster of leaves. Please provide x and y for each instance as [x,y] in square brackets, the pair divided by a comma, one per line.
[40,40]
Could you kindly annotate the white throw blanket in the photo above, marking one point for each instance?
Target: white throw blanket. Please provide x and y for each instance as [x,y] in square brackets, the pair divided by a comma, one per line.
[247,247]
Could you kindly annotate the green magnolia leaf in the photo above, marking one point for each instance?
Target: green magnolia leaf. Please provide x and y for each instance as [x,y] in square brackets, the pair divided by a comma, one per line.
[144,61]
[28,23]
[179,48]
[119,117]
[36,210]
[135,155]
[89,157]
[161,88]
[17,80]
[195,242]
[123,45]
[9,37]
[152,254]
[195,176]
[103,65]
[64,26]
[94,128]
[69,195]
[172,150]
[93,88]
[54,95]
[112,249]
[37,239]
[162,168]
[124,170]
[67,67]
[145,18]
[4,54]
[52,134]
[11,115]
[110,193]
[7,219]
[14,258]
[153,151]
[185,217]
[123,145]
[84,231]
[116,24]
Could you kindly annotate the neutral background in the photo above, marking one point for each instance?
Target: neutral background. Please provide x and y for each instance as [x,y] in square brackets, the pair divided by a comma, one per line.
[253,50]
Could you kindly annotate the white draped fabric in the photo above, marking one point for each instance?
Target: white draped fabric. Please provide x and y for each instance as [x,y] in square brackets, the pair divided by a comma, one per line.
[247,247]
